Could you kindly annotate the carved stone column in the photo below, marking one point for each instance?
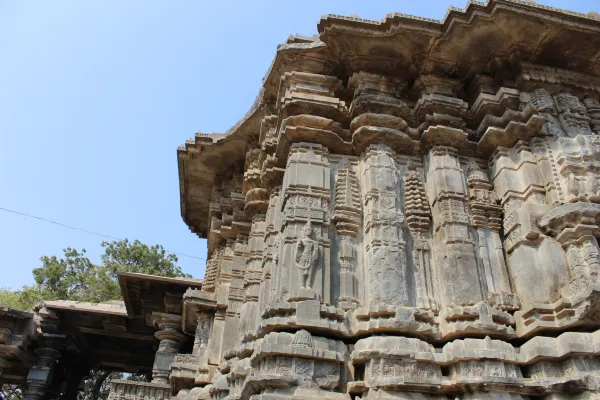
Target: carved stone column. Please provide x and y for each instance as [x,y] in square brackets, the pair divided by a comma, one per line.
[418,217]
[271,239]
[459,279]
[486,215]
[237,291]
[304,269]
[231,299]
[347,218]
[40,376]
[171,338]
[252,277]
[386,274]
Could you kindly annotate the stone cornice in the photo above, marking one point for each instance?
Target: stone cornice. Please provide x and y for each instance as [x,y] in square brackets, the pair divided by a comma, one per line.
[498,38]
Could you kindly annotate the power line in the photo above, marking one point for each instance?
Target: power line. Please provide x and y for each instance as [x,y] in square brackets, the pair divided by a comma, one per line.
[86,231]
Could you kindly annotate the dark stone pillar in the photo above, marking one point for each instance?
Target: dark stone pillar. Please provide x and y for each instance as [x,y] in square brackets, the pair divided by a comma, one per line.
[171,338]
[41,375]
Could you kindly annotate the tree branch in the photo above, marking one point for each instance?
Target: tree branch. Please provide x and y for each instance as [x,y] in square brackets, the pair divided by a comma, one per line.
[98,384]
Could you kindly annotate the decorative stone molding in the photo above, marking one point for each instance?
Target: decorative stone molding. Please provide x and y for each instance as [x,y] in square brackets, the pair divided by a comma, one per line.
[431,181]
[132,390]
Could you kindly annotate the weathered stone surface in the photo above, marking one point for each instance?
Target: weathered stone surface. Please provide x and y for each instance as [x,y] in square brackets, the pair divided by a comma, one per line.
[443,192]
[408,211]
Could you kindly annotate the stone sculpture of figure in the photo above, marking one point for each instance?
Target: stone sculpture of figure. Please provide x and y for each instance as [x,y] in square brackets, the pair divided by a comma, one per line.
[572,186]
[307,254]
[592,185]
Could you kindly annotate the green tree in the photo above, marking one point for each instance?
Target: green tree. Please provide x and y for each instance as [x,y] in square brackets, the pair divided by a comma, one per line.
[75,277]
[23,299]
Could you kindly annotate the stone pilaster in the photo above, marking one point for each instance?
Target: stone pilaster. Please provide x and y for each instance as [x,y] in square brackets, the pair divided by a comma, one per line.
[454,249]
[347,219]
[249,317]
[385,248]
[304,254]
[171,338]
[202,333]
[486,215]
[271,246]
[216,337]
[418,217]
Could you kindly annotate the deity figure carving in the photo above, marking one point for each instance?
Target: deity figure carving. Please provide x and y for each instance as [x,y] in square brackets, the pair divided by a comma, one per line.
[543,102]
[307,254]
[593,111]
[573,115]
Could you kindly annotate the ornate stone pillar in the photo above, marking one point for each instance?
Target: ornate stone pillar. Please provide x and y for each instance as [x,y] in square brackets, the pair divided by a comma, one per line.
[271,239]
[458,272]
[486,215]
[231,300]
[252,277]
[386,275]
[40,376]
[237,291]
[171,338]
[347,219]
[304,260]
[418,217]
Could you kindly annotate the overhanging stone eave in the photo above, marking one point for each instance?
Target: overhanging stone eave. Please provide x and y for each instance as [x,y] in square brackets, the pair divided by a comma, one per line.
[196,216]
[452,15]
[203,154]
[86,307]
[128,279]
[434,46]
[12,313]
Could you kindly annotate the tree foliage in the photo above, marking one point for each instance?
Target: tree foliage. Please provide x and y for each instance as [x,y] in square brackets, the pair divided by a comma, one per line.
[75,277]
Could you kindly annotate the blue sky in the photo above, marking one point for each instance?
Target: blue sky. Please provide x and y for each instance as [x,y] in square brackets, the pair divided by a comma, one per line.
[95,97]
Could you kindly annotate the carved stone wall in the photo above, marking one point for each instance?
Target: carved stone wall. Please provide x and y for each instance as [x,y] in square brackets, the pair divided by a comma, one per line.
[419,231]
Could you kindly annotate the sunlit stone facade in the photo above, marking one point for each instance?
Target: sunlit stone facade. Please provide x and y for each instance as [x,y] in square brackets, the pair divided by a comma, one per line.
[409,210]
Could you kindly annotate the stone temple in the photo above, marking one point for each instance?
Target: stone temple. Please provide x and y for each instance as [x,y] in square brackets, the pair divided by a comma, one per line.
[409,210]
